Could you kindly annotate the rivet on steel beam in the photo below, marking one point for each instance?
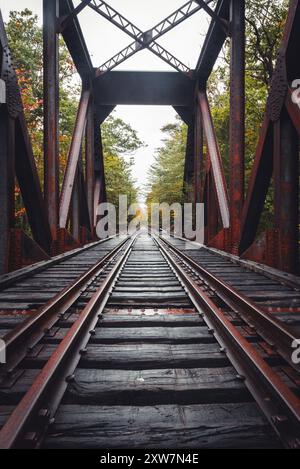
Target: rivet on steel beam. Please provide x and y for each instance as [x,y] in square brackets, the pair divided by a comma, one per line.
[240,377]
[223,350]
[92,332]
[31,438]
[44,414]
[70,378]
[279,419]
[83,351]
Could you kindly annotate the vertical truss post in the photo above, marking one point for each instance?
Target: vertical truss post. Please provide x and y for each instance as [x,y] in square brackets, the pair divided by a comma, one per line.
[286,173]
[237,118]
[75,210]
[51,96]
[7,156]
[90,162]
[198,162]
[99,191]
[212,208]
[189,163]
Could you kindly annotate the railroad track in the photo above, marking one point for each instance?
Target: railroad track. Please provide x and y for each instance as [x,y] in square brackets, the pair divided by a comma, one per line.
[156,356]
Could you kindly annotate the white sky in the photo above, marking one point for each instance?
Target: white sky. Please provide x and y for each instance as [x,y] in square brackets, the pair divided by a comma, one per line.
[104,40]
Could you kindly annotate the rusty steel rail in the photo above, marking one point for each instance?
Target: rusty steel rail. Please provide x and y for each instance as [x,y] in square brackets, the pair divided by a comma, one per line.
[36,410]
[272,330]
[28,333]
[277,401]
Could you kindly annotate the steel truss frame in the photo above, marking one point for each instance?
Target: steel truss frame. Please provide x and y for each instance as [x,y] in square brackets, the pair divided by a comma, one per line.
[61,220]
[148,39]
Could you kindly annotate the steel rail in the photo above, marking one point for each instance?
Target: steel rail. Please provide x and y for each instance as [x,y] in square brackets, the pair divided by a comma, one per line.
[279,336]
[37,408]
[11,278]
[25,336]
[279,404]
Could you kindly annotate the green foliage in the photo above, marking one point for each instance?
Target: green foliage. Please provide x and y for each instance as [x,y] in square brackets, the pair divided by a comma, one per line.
[166,173]
[120,142]
[119,139]
[265,21]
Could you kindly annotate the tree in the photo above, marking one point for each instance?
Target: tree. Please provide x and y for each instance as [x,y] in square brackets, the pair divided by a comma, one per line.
[119,139]
[166,173]
[265,21]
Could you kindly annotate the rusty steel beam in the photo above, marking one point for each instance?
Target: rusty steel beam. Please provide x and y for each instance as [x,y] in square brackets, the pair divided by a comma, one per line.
[19,149]
[66,20]
[199,156]
[90,162]
[213,43]
[185,113]
[276,128]
[27,175]
[144,88]
[75,42]
[7,186]
[73,157]
[237,118]
[85,222]
[100,189]
[220,21]
[51,106]
[212,208]
[286,176]
[146,39]
[75,210]
[258,186]
[102,112]
[189,163]
[216,161]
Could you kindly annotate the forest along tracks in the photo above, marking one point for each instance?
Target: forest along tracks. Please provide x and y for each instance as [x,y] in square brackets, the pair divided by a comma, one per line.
[154,358]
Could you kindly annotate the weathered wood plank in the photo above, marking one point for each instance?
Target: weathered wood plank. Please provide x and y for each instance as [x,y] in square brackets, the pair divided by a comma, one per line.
[196,426]
[140,356]
[142,387]
[143,334]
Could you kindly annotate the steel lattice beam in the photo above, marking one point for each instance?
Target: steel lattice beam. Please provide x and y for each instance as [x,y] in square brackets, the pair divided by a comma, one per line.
[146,39]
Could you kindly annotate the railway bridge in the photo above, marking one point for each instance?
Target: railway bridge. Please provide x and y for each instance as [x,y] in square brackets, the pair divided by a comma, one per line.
[149,340]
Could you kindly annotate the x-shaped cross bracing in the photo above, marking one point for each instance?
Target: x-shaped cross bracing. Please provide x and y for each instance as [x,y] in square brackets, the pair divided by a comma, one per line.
[147,40]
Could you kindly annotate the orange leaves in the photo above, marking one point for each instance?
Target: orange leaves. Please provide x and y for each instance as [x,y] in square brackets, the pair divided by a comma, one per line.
[20,213]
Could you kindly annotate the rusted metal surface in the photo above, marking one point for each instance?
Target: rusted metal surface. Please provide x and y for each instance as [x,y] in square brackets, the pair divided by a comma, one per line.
[215,158]
[276,151]
[146,39]
[286,169]
[51,97]
[237,119]
[188,177]
[90,163]
[258,186]
[29,332]
[270,391]
[213,43]
[69,178]
[199,156]
[6,186]
[62,363]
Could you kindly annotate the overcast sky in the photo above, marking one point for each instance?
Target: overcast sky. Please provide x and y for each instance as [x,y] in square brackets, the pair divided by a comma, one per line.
[104,40]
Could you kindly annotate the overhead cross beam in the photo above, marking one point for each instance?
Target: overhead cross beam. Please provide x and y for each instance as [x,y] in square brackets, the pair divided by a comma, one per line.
[146,39]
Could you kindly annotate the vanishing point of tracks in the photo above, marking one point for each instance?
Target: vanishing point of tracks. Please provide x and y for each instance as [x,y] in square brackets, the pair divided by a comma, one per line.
[146,347]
